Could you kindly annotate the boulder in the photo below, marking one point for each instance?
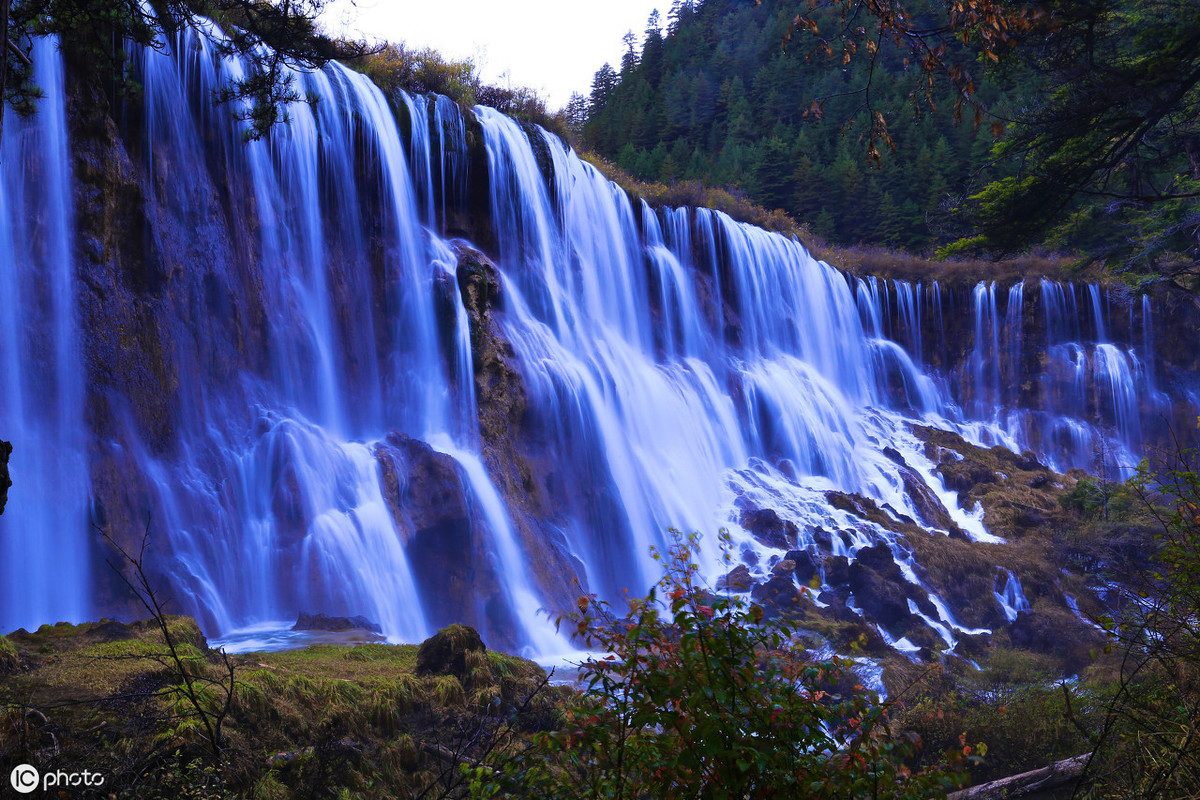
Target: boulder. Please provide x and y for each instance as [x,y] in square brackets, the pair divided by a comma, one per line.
[837,570]
[879,586]
[737,579]
[778,596]
[427,496]
[804,566]
[823,538]
[445,653]
[765,525]
[324,622]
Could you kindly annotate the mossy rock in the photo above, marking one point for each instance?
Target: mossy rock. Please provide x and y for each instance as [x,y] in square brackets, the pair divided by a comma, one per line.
[445,653]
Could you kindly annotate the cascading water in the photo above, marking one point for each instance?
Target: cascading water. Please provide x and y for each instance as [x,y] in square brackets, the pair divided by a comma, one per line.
[272,496]
[44,564]
[280,507]
[664,412]
[307,329]
[1088,402]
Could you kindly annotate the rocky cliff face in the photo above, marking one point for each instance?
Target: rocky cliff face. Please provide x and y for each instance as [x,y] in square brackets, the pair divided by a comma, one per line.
[5,480]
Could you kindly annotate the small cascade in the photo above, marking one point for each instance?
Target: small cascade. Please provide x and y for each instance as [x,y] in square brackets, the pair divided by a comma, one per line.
[1011,596]
[1014,334]
[44,539]
[453,157]
[983,366]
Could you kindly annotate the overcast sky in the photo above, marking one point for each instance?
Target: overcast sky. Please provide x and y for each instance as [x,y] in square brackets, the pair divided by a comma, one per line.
[554,46]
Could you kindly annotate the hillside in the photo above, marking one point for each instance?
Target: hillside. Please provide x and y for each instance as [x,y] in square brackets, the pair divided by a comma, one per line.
[1072,128]
[718,98]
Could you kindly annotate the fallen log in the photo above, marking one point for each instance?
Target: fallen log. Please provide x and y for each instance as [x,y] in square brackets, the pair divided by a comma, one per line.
[1054,776]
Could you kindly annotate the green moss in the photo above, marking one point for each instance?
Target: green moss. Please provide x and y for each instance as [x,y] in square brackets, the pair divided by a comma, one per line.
[364,662]
[448,691]
[359,717]
[10,659]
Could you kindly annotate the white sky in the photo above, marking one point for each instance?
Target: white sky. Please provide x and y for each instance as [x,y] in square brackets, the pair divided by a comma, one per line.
[553,46]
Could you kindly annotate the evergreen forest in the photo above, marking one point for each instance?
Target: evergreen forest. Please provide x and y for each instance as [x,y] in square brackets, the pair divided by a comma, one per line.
[1075,129]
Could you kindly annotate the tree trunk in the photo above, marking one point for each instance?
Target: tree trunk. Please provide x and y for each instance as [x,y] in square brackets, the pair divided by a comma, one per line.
[1054,776]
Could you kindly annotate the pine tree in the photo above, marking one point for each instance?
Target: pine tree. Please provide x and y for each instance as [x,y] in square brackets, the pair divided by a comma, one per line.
[652,52]
[629,59]
[603,84]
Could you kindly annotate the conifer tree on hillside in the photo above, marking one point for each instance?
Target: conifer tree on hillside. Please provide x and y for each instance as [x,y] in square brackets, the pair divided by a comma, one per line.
[1073,125]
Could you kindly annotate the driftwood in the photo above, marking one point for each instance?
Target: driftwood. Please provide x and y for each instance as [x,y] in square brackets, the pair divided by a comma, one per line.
[1054,776]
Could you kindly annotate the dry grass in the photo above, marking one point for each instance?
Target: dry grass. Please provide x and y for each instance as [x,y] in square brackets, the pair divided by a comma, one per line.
[884,262]
[862,260]
[694,193]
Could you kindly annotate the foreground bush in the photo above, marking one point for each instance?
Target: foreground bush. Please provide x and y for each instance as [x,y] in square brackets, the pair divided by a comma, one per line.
[698,696]
[1145,745]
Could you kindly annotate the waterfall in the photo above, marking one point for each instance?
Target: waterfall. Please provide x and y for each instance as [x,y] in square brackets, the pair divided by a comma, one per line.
[1011,597]
[293,400]
[44,538]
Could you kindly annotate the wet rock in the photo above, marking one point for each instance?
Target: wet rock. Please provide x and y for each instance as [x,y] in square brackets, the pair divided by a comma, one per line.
[445,653]
[878,587]
[324,622]
[862,507]
[837,570]
[898,515]
[422,487]
[877,557]
[928,506]
[427,496]
[521,459]
[805,566]
[779,596]
[737,579]
[784,568]
[822,538]
[765,525]
[838,599]
[5,481]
